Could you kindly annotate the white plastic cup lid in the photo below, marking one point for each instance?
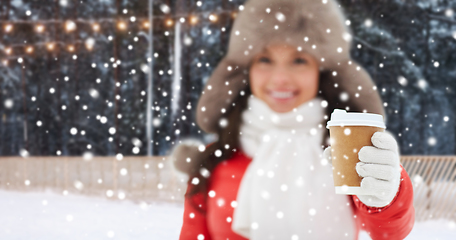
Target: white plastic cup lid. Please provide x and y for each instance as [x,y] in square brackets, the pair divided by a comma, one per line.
[340,117]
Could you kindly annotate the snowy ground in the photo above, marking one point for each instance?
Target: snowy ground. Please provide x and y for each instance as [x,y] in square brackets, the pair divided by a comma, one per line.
[41,216]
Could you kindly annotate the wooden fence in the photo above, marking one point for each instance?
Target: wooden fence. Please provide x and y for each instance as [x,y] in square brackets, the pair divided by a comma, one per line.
[154,179]
[133,178]
[434,185]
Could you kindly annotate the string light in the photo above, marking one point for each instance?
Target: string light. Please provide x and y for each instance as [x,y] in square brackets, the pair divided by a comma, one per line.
[70,26]
[193,20]
[5,62]
[96,27]
[29,49]
[122,25]
[146,24]
[213,18]
[39,28]
[89,43]
[50,46]
[8,28]
[169,22]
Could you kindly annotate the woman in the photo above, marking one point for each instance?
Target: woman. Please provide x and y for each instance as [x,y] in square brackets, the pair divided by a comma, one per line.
[287,68]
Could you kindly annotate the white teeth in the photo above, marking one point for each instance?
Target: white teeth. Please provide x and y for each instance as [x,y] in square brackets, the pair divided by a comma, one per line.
[275,94]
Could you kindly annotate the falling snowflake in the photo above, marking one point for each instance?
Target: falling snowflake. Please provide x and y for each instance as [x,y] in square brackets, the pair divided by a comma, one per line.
[94,93]
[312,212]
[343,96]
[417,179]
[164,8]
[432,141]
[121,195]
[110,234]
[73,131]
[195,181]
[78,185]
[218,153]
[8,103]
[211,193]
[223,122]
[280,16]
[109,193]
[402,81]
[87,156]
[279,215]
[422,84]
[112,130]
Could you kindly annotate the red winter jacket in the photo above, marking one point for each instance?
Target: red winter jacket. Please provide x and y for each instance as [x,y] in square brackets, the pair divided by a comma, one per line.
[211,219]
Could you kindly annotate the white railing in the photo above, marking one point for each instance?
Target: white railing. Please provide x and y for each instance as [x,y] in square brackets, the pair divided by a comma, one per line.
[134,178]
[155,179]
[434,185]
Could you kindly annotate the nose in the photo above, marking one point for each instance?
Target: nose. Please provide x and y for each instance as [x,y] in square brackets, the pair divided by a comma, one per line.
[280,76]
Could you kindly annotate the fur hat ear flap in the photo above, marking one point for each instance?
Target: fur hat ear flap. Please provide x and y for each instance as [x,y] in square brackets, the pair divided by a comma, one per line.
[187,156]
[221,90]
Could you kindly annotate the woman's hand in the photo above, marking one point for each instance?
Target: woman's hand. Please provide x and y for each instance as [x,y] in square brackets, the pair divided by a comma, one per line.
[380,169]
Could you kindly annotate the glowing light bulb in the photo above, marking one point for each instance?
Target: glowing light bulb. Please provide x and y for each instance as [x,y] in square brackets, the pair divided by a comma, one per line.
[146,24]
[8,28]
[193,19]
[70,26]
[71,48]
[169,22]
[40,28]
[122,25]
[29,50]
[213,18]
[89,43]
[8,51]
[96,27]
[50,46]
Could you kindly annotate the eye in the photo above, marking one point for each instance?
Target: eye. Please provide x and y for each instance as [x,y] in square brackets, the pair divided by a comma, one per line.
[264,60]
[300,61]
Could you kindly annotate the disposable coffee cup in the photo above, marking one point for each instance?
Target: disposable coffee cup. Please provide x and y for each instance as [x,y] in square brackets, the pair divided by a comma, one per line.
[349,132]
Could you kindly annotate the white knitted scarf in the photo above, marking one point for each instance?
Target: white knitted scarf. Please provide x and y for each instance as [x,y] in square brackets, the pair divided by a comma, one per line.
[287,191]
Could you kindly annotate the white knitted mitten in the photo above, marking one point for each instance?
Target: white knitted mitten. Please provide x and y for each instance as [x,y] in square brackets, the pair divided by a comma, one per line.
[380,169]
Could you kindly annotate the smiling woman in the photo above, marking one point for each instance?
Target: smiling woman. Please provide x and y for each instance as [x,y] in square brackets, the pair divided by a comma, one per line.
[287,65]
[284,77]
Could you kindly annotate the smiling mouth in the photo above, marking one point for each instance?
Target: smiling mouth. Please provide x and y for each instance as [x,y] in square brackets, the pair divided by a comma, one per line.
[282,94]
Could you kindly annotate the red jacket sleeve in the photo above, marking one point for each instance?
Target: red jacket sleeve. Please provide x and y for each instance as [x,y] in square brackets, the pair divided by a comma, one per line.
[194,223]
[394,221]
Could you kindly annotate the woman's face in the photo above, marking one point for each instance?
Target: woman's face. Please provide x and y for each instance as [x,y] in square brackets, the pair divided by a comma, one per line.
[283,77]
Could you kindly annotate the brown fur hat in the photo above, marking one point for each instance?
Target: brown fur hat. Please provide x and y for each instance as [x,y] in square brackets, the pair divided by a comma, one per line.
[315,26]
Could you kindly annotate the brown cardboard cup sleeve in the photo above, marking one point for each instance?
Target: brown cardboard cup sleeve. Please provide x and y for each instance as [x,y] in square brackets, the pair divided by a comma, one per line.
[349,132]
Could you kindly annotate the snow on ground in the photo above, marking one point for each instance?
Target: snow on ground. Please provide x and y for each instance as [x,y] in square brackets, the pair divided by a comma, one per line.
[47,215]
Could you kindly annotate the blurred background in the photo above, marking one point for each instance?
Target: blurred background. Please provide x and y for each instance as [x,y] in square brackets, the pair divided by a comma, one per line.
[94,94]
[74,75]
